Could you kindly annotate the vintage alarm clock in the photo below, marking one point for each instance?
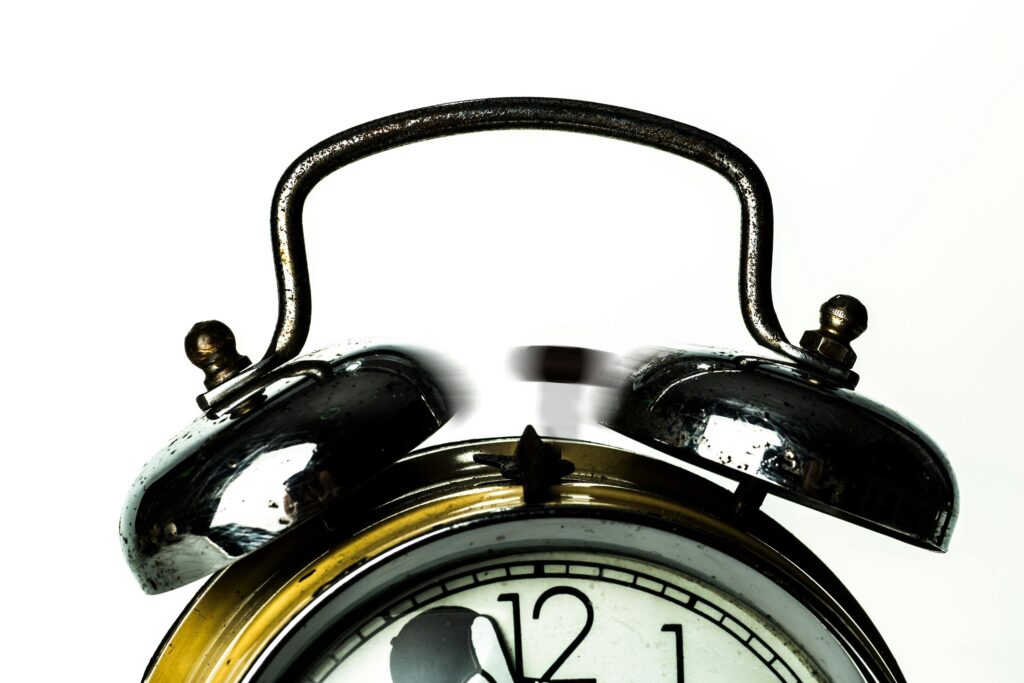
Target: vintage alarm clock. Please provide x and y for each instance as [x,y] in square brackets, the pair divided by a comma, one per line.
[342,553]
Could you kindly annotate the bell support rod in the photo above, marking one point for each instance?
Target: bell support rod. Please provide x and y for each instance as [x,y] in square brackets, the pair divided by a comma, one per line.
[294,298]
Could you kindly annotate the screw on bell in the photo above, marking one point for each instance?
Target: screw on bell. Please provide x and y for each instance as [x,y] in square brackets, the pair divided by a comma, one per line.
[210,346]
[843,319]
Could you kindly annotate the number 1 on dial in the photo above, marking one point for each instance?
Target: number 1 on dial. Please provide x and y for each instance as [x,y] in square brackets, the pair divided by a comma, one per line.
[677,629]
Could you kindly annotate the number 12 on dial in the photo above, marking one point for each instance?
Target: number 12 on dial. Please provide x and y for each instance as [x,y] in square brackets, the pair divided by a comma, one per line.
[548,675]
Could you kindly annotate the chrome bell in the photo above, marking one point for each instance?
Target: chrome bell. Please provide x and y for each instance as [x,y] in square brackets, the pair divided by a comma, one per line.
[781,429]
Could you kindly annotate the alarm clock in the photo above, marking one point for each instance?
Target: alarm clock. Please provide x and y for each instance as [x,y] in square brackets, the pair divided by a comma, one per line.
[342,551]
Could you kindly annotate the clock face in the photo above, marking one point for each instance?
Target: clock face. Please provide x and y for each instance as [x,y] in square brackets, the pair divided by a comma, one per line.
[563,616]
[556,599]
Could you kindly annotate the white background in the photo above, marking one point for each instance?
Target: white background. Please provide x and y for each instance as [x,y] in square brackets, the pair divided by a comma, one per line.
[141,144]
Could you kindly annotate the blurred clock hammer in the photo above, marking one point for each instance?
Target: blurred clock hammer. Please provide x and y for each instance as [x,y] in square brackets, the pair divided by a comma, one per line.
[562,370]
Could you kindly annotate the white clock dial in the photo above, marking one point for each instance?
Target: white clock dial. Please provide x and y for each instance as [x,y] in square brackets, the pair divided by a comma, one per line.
[563,617]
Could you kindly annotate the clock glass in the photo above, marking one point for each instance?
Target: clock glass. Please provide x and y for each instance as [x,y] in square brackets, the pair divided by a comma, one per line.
[564,617]
[558,600]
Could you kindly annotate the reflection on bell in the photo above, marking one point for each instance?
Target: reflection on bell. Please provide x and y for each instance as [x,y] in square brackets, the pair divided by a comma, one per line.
[799,435]
[232,482]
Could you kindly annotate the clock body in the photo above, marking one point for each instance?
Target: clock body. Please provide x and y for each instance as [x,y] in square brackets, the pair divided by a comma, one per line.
[631,569]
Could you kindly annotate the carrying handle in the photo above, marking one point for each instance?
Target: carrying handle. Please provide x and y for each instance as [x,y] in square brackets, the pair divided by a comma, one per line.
[294,298]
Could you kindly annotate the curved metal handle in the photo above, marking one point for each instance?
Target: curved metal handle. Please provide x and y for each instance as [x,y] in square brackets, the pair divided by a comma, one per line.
[294,299]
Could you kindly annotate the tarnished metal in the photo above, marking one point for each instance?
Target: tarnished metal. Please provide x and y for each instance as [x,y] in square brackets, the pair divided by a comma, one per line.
[294,298]
[785,432]
[210,346]
[843,319]
[314,432]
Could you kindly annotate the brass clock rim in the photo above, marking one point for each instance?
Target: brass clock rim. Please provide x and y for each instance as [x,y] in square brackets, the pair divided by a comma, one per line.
[240,611]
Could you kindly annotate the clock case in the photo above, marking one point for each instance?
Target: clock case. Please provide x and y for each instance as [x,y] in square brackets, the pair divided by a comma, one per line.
[258,619]
[329,427]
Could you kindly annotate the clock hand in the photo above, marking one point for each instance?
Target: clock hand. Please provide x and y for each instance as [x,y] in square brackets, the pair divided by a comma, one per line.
[487,648]
[447,644]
